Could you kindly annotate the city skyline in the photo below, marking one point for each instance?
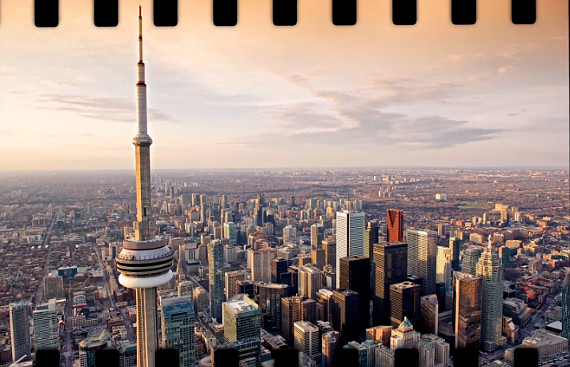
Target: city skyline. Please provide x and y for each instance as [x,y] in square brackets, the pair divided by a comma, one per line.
[221,91]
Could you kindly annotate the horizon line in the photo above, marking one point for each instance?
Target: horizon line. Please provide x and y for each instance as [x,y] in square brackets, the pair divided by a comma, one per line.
[297,168]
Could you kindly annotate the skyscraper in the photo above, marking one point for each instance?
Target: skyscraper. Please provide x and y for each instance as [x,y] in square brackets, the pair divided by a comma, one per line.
[329,245]
[349,236]
[566,306]
[46,326]
[306,339]
[344,305]
[178,328]
[405,302]
[203,214]
[429,309]
[278,266]
[230,280]
[20,330]
[216,278]
[370,237]
[230,232]
[455,246]
[390,267]
[289,234]
[355,275]
[467,310]
[422,254]
[261,264]
[293,309]
[444,266]
[145,261]
[270,304]
[318,257]
[330,342]
[395,225]
[490,271]
[471,257]
[323,304]
[241,318]
[310,281]
[317,234]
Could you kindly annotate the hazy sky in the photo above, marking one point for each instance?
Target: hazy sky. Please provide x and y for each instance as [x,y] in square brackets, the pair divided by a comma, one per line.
[256,95]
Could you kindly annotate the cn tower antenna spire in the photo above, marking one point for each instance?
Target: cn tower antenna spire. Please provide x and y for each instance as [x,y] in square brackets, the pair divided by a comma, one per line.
[140,36]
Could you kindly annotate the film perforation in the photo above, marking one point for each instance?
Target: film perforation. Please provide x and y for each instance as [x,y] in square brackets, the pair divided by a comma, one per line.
[523,11]
[106,13]
[46,13]
[225,13]
[344,12]
[165,13]
[404,12]
[463,12]
[284,13]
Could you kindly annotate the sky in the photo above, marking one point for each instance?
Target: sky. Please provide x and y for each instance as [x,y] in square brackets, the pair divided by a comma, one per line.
[314,95]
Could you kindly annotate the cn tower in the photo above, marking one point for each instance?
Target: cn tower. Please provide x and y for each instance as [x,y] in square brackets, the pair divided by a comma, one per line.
[145,261]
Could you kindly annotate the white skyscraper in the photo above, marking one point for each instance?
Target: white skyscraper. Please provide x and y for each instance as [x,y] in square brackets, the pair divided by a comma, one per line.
[490,271]
[350,227]
[146,260]
[422,254]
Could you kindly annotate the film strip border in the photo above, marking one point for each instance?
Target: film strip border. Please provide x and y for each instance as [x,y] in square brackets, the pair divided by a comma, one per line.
[225,12]
[523,357]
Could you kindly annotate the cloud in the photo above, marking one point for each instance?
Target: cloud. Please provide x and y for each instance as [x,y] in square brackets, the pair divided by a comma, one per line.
[99,108]
[361,119]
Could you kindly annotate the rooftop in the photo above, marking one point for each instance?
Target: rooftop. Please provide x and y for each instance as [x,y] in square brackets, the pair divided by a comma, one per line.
[241,303]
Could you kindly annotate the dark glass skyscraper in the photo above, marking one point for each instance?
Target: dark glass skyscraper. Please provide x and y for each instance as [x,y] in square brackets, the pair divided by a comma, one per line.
[405,302]
[344,314]
[390,267]
[216,278]
[278,267]
[355,275]
[454,245]
[370,237]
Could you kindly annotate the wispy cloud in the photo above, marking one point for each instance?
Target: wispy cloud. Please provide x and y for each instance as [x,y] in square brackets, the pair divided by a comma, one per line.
[362,118]
[99,108]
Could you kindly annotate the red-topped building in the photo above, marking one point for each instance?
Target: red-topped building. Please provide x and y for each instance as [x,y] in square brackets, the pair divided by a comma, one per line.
[395,225]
